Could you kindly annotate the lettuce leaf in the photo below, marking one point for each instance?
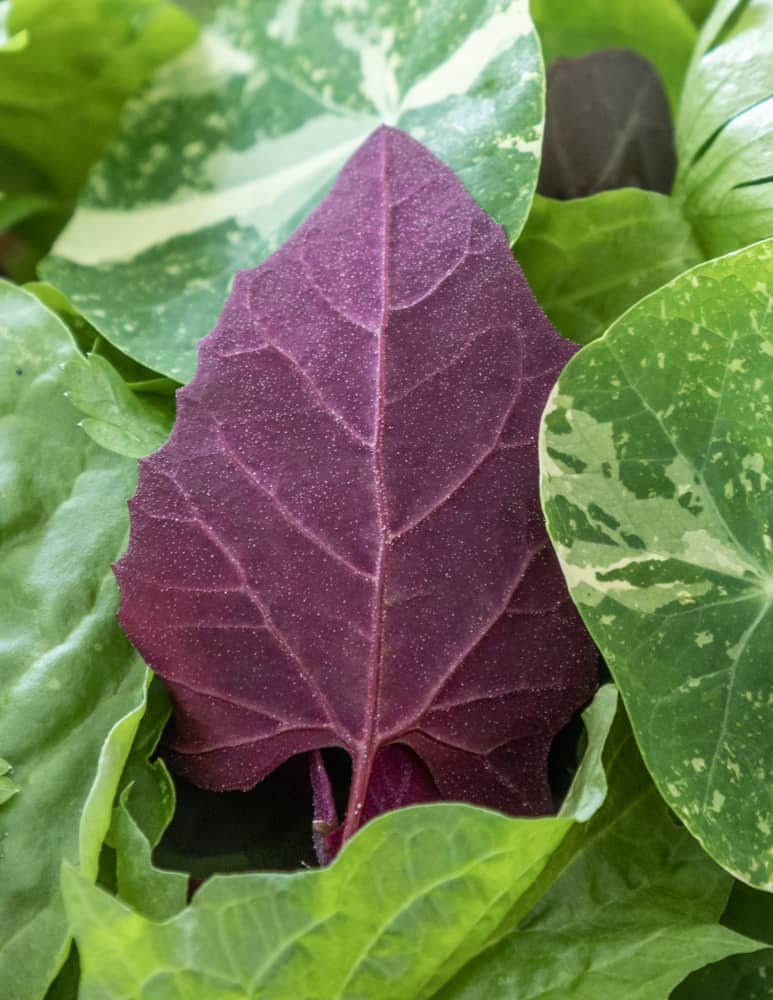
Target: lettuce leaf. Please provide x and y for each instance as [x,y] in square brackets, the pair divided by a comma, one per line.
[72,684]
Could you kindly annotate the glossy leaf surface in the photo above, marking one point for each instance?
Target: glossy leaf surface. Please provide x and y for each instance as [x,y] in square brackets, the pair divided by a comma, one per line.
[725,128]
[656,452]
[341,543]
[241,137]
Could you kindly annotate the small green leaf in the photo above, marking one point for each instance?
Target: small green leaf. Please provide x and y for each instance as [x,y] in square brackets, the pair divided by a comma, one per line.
[633,910]
[72,685]
[120,420]
[587,260]
[658,29]
[409,899]
[656,451]
[243,135]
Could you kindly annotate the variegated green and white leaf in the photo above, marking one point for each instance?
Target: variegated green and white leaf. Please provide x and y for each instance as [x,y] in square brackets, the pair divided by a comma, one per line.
[656,452]
[238,139]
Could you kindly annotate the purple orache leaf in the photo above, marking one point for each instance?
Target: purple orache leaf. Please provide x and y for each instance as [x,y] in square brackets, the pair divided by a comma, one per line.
[341,543]
[607,125]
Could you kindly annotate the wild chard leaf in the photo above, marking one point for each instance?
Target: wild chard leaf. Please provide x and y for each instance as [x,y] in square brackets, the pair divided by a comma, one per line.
[341,543]
[72,685]
[656,451]
[739,977]
[236,142]
[65,72]
[634,910]
[725,128]
[659,30]
[607,125]
[443,877]
[587,260]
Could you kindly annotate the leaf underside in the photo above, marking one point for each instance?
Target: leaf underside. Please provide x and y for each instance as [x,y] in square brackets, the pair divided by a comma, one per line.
[341,543]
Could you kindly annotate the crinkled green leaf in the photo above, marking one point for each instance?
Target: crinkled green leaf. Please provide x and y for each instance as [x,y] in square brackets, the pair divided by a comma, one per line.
[412,897]
[656,450]
[587,260]
[120,420]
[633,911]
[658,29]
[234,143]
[725,128]
[739,977]
[66,70]
[72,685]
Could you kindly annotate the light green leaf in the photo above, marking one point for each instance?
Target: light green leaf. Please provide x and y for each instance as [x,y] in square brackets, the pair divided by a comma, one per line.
[658,29]
[656,450]
[410,899]
[235,142]
[588,259]
[66,70]
[72,685]
[120,420]
[698,10]
[146,803]
[739,977]
[725,128]
[633,911]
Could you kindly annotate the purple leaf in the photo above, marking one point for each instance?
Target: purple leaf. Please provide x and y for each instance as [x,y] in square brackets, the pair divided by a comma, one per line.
[341,543]
[607,125]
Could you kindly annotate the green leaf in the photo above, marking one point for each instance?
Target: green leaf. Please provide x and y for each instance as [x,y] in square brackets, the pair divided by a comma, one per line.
[66,70]
[120,420]
[8,786]
[658,29]
[244,134]
[587,260]
[725,128]
[656,450]
[72,685]
[739,977]
[698,10]
[633,911]
[409,899]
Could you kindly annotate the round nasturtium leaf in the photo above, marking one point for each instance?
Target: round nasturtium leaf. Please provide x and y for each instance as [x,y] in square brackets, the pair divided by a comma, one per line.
[656,451]
[237,140]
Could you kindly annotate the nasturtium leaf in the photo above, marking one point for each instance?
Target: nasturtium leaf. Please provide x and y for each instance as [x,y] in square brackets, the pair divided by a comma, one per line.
[634,909]
[66,70]
[656,451]
[659,30]
[607,125]
[72,685]
[739,977]
[235,142]
[407,902]
[341,543]
[725,128]
[588,259]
